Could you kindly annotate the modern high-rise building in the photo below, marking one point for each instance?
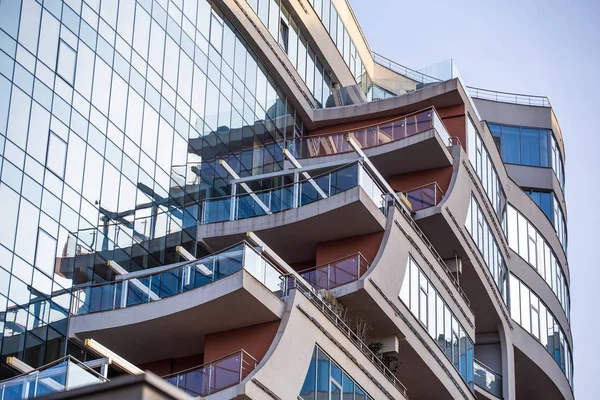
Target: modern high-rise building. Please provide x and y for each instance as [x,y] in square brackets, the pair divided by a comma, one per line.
[242,198]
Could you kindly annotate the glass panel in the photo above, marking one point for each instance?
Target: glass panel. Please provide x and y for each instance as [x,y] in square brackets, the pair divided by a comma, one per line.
[65,66]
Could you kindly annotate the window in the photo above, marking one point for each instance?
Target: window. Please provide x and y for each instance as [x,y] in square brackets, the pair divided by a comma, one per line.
[425,303]
[326,380]
[65,64]
[521,145]
[57,153]
[533,316]
[284,32]
[528,243]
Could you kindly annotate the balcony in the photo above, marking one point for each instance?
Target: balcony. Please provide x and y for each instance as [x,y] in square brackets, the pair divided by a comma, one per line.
[336,273]
[488,380]
[61,375]
[340,199]
[214,376]
[425,196]
[371,136]
[153,287]
[294,195]
[169,310]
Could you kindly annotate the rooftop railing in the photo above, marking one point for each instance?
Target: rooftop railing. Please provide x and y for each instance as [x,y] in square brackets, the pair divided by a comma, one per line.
[336,273]
[506,97]
[371,135]
[140,289]
[291,282]
[61,375]
[294,195]
[425,196]
[405,71]
[487,379]
[214,376]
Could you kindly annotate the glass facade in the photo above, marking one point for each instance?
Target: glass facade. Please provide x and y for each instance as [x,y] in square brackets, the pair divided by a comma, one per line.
[527,242]
[113,119]
[286,32]
[330,18]
[326,380]
[535,147]
[429,308]
[484,239]
[484,167]
[532,314]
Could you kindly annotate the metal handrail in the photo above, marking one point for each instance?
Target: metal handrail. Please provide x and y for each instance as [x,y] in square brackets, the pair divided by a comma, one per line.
[508,97]
[311,295]
[240,351]
[373,125]
[487,368]
[425,185]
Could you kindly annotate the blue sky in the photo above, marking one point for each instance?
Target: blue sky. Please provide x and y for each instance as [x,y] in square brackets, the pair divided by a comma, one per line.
[549,48]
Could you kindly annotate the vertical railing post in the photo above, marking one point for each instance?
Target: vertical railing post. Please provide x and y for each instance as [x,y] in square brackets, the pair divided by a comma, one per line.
[295,201]
[124,291]
[233,205]
[149,287]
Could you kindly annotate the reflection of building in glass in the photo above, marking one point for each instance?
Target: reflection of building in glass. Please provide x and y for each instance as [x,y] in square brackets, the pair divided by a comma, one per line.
[242,198]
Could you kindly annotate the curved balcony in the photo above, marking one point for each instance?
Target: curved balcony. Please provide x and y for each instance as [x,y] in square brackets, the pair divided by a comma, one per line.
[214,376]
[402,144]
[341,199]
[169,310]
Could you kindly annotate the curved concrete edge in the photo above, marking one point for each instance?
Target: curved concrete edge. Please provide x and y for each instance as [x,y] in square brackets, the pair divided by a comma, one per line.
[536,352]
[538,285]
[241,280]
[292,349]
[389,267]
[454,208]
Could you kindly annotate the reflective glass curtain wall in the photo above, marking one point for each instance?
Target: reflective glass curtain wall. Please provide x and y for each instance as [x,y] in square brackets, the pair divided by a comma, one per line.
[286,32]
[330,18]
[430,309]
[113,119]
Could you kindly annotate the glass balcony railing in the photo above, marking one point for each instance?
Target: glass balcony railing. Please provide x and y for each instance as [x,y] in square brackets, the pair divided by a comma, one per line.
[61,375]
[412,74]
[336,273]
[214,376]
[294,195]
[156,286]
[505,97]
[371,136]
[425,196]
[487,379]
